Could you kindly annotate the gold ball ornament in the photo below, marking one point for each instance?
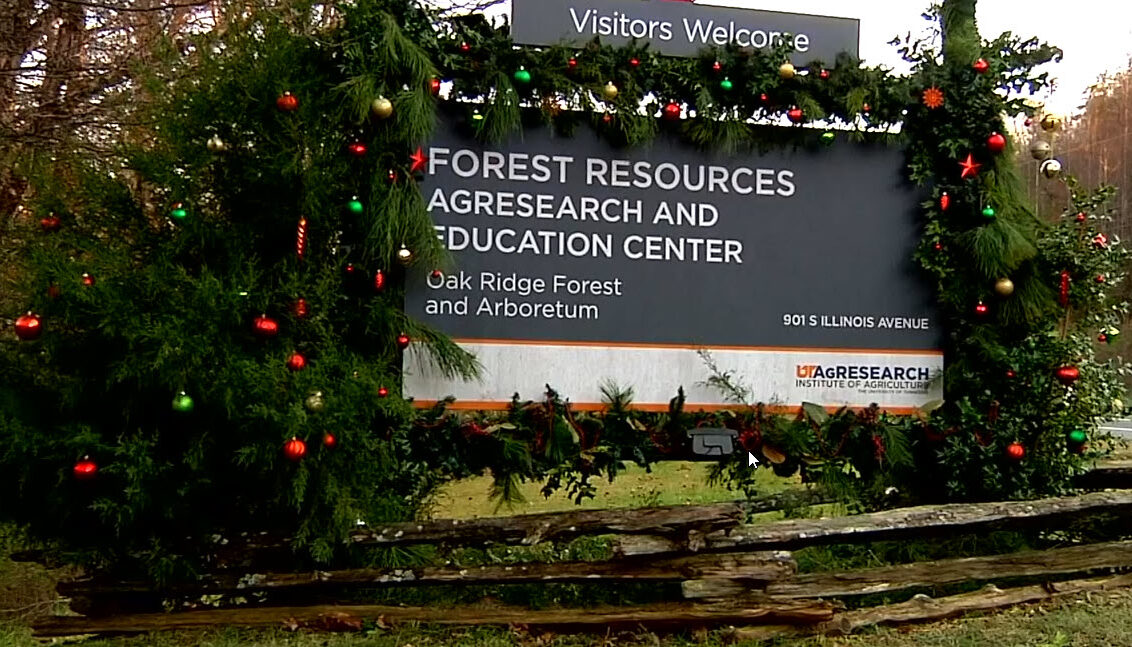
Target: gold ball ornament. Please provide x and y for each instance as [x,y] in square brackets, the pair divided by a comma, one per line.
[404,255]
[216,145]
[315,401]
[1117,404]
[382,108]
[1050,168]
[609,91]
[1004,287]
[1051,121]
[786,70]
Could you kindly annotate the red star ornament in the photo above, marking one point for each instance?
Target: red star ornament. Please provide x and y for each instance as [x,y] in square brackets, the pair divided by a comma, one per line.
[970,167]
[419,161]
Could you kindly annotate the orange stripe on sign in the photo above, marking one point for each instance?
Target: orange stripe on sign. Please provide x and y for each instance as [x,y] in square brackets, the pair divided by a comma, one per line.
[624,344]
[498,405]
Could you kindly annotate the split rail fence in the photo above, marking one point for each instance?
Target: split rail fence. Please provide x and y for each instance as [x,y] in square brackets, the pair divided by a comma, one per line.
[729,573]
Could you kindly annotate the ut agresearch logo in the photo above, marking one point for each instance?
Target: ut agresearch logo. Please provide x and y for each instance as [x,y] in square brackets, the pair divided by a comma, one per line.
[866,377]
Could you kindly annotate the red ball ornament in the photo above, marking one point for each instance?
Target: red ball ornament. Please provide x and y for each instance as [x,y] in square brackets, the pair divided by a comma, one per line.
[465,47]
[716,66]
[795,114]
[392,177]
[29,327]
[378,281]
[85,469]
[634,62]
[357,149]
[1010,374]
[1081,217]
[437,274]
[1100,240]
[265,326]
[865,108]
[296,362]
[944,201]
[981,66]
[300,309]
[1100,278]
[87,279]
[1015,451]
[1102,338]
[1067,374]
[434,86]
[403,341]
[382,392]
[981,309]
[294,449]
[287,102]
[672,111]
[607,118]
[824,74]
[996,143]
[938,247]
[329,441]
[50,222]
[572,63]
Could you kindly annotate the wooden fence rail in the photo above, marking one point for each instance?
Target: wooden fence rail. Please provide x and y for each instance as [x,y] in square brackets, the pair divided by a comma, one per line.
[729,572]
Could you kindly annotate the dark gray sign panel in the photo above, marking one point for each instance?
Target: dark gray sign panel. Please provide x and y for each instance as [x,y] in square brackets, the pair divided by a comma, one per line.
[680,28]
[570,239]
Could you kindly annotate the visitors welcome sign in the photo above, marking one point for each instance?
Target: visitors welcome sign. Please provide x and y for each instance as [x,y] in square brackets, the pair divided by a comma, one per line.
[679,28]
[578,264]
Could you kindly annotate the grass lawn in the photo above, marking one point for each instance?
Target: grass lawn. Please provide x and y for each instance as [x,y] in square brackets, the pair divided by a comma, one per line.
[669,483]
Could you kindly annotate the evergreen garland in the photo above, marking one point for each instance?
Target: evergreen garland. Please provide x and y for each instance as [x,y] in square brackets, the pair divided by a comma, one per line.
[189,242]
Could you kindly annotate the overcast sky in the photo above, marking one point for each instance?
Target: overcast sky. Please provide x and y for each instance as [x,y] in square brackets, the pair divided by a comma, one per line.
[1095,34]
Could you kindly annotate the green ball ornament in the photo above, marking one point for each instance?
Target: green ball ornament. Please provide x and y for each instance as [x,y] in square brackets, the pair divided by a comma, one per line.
[828,138]
[522,76]
[355,206]
[178,211]
[1078,436]
[726,84]
[183,403]
[988,213]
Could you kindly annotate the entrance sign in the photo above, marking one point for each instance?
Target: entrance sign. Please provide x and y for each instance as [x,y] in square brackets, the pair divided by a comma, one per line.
[577,264]
[680,28]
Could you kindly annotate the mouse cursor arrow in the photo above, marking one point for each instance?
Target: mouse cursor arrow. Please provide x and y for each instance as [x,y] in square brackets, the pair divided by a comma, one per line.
[751,460]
